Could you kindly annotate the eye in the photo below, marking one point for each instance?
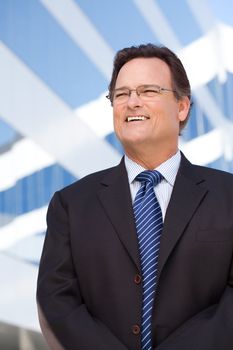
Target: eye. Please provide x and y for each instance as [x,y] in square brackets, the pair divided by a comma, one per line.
[119,94]
[150,91]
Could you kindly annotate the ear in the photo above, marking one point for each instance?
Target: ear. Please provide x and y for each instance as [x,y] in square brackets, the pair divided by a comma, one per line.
[184,106]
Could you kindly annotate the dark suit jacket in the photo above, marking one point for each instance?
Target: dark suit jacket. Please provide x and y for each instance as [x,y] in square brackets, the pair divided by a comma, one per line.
[88,286]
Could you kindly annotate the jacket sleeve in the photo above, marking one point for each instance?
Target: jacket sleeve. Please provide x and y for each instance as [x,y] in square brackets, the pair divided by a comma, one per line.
[65,320]
[211,329]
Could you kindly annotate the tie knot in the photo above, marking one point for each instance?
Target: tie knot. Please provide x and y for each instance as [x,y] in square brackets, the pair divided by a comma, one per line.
[150,176]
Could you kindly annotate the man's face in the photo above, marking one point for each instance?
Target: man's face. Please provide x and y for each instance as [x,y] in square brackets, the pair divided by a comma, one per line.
[162,114]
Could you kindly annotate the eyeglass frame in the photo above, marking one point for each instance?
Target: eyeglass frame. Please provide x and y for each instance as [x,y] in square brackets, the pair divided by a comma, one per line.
[159,88]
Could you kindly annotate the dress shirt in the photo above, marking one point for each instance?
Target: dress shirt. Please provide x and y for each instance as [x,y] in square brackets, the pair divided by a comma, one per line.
[164,189]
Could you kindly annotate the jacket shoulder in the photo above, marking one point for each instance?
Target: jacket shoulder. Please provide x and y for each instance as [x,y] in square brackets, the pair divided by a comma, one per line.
[90,183]
[199,172]
[214,173]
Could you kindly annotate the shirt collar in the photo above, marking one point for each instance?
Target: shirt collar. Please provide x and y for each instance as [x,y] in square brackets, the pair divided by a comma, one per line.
[168,169]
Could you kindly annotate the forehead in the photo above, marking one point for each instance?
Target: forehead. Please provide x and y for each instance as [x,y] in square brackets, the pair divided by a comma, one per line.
[139,71]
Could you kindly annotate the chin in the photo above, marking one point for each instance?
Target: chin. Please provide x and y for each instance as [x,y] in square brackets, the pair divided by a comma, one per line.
[133,143]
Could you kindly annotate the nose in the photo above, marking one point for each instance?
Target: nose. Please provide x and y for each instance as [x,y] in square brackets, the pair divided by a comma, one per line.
[134,100]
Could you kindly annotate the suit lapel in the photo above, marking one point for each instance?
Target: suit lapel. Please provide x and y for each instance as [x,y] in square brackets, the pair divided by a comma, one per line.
[116,200]
[187,194]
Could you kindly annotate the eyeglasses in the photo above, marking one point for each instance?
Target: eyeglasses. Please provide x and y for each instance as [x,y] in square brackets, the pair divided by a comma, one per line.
[145,92]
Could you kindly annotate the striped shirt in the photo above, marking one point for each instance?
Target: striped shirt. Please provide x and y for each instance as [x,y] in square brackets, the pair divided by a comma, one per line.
[164,189]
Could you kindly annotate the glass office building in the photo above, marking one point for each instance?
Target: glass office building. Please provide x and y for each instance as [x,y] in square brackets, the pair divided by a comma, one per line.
[56,124]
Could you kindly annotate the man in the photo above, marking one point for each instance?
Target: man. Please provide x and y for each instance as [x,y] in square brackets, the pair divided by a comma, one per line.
[93,281]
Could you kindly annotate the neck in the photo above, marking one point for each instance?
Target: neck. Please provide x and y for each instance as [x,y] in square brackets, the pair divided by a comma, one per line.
[151,160]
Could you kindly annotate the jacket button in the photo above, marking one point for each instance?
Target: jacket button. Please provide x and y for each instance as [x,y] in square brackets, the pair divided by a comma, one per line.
[135,329]
[137,279]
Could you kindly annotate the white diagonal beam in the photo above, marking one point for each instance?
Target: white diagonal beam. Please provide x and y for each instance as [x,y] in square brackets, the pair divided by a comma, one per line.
[82,31]
[36,111]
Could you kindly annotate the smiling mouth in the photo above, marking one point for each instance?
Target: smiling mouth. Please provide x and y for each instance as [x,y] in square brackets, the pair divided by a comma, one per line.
[137,118]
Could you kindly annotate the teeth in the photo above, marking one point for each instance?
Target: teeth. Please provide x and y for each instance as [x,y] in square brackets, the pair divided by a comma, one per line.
[130,119]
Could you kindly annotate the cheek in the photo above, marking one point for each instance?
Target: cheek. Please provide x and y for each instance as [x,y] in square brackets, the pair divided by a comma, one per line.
[116,120]
[166,118]
[117,115]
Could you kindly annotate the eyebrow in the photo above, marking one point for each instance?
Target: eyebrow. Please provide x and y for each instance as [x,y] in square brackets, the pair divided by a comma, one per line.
[127,87]
[123,87]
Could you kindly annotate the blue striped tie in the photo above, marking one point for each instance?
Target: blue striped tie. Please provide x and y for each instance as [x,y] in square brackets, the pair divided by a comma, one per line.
[149,224]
